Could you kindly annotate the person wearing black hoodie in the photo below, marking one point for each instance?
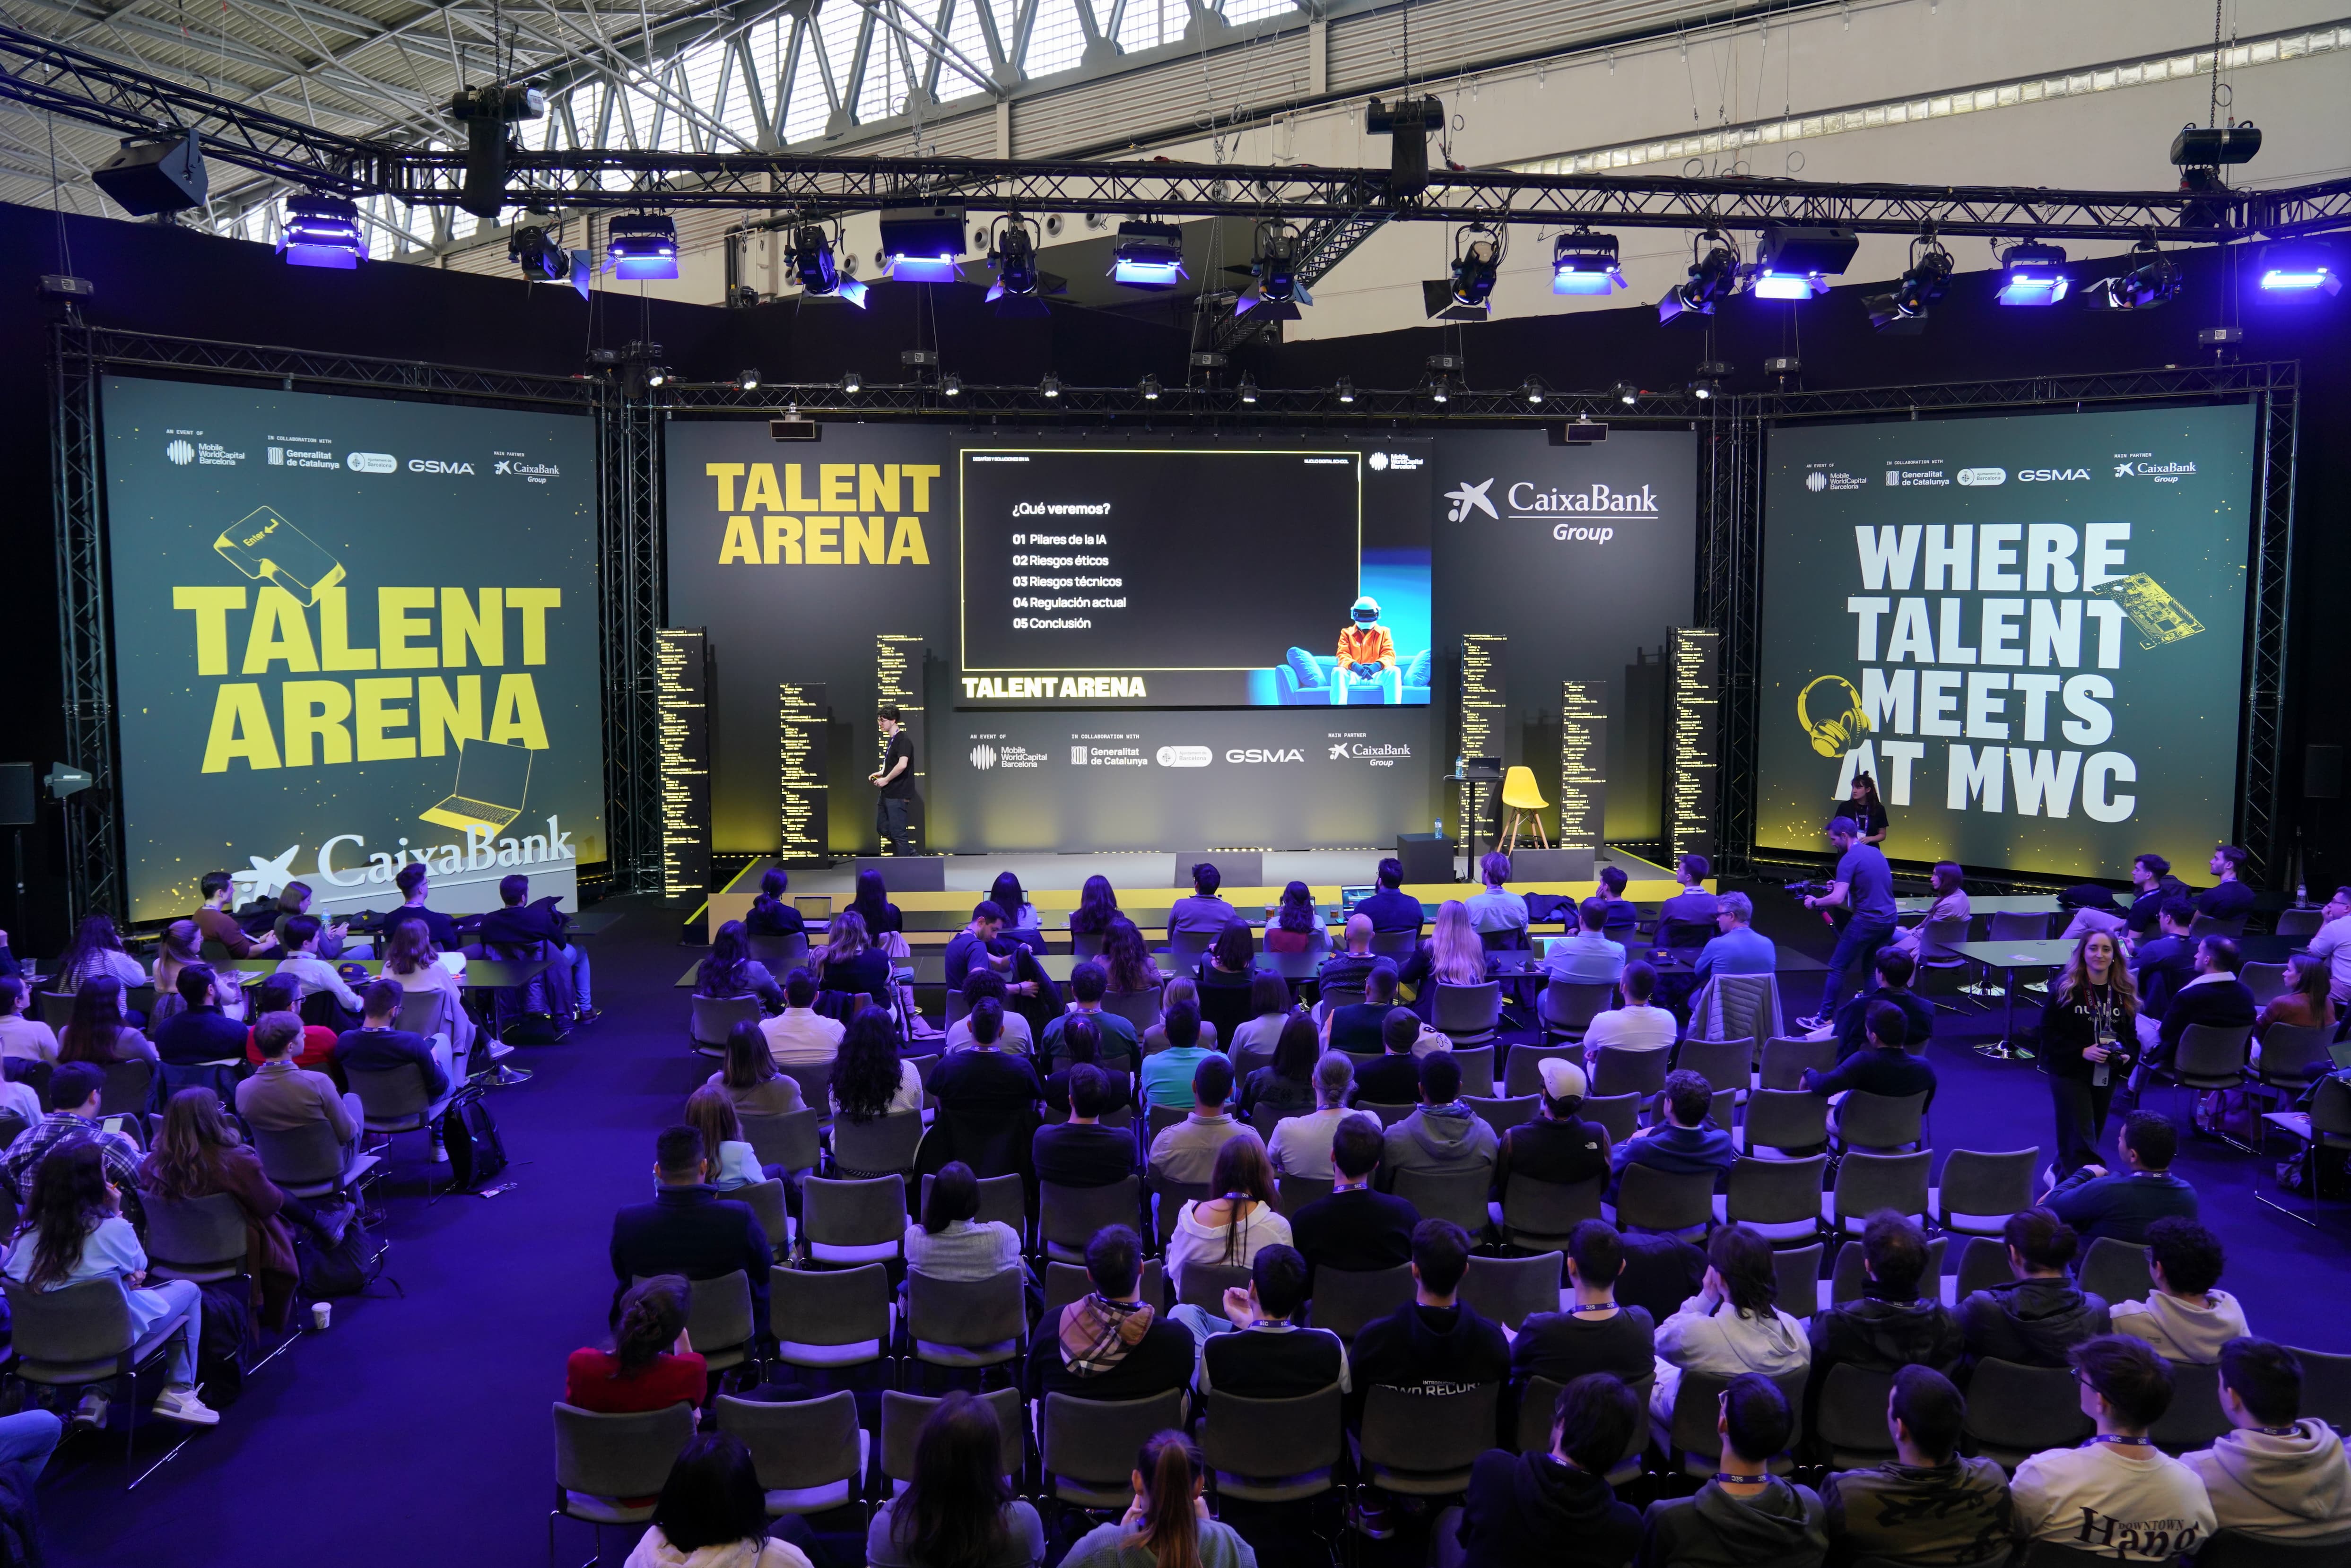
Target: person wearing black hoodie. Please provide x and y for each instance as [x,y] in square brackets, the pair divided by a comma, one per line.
[1557,1510]
[1436,1344]
[1889,1327]
[1745,1517]
[2037,1318]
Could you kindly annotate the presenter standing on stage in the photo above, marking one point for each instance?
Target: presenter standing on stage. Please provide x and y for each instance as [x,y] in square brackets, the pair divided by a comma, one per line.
[1866,810]
[895,777]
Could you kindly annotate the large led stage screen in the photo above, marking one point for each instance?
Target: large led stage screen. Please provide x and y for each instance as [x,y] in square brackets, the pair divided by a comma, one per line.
[2029,629]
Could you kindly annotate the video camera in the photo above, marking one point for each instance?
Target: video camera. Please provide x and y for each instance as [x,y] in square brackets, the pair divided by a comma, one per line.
[1807,890]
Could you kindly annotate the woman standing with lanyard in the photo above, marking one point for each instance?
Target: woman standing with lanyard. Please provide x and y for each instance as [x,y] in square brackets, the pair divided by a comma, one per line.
[2089,1040]
[1866,809]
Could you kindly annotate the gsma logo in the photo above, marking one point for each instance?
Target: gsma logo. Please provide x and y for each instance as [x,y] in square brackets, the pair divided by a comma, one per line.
[435,465]
[1261,754]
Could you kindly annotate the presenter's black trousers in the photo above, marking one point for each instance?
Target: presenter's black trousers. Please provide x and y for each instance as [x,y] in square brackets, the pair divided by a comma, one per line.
[890,824]
[2081,1121]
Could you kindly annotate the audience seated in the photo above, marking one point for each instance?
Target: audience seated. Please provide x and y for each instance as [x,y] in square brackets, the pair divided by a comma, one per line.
[1685,1142]
[74,1090]
[988,1100]
[1443,1136]
[334,935]
[1389,907]
[772,914]
[1352,964]
[2087,906]
[958,1506]
[2333,944]
[650,1367]
[316,1048]
[1739,948]
[22,1037]
[1254,1350]
[1286,1084]
[1022,924]
[97,951]
[378,1046]
[1179,989]
[1587,958]
[1928,1503]
[1395,1078]
[1436,1342]
[1301,1144]
[218,925]
[519,924]
[1594,1334]
[712,1511]
[1949,882]
[1623,913]
[1687,919]
[101,1031]
[1119,1047]
[2162,964]
[1081,1046]
[2214,996]
[985,985]
[1891,1325]
[2278,1475]
[1556,1146]
[951,1241]
[2185,1318]
[730,971]
[2228,898]
[1167,1075]
[1110,1344]
[2037,1318]
[734,1163]
[1126,959]
[311,974]
[1229,1227]
[1167,1524]
[415,885]
[72,1229]
[1894,966]
[1256,1037]
[1745,1517]
[1203,914]
[1635,1023]
[1360,1026]
[1355,1230]
[1187,1152]
[1081,1152]
[200,1031]
[750,1078]
[2124,1204]
[1733,1324]
[1229,969]
[198,1154]
[1556,1510]
[411,957]
[2153,886]
[869,1080]
[852,962]
[799,1035]
[1297,926]
[689,1228]
[283,1097]
[2306,1003]
[2118,1492]
[1885,1068]
[1496,909]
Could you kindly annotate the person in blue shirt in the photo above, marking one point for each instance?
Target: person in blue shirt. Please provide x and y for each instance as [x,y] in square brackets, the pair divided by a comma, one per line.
[1685,1143]
[1391,909]
[2124,1203]
[1739,949]
[1203,914]
[1894,967]
[2166,963]
[1865,888]
[2229,900]
[1167,1075]
[2151,876]
[1587,958]
[1684,919]
[1884,1067]
[1622,911]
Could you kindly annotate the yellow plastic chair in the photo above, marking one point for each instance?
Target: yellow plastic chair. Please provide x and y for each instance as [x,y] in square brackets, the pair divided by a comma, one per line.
[1525,804]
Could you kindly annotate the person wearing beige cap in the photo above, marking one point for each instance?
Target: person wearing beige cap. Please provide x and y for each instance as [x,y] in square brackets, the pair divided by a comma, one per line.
[1557,1146]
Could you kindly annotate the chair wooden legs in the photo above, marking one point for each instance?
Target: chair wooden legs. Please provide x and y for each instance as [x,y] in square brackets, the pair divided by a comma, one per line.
[1526,819]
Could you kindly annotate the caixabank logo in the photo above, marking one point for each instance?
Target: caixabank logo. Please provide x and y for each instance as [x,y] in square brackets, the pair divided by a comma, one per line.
[1569,512]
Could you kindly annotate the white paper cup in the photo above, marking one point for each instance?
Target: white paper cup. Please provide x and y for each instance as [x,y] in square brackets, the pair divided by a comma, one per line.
[323,1314]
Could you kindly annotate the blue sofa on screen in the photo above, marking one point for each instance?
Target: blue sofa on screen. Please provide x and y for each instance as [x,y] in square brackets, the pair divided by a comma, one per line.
[1303,680]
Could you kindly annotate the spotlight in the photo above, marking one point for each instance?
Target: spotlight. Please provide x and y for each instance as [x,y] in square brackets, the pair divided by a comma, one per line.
[1051,386]
[747,379]
[1276,294]
[1706,385]
[321,231]
[1151,388]
[951,386]
[2032,275]
[1248,388]
[1795,262]
[1626,393]
[1148,255]
[1346,387]
[2300,269]
[1532,392]
[1712,277]
[2153,279]
[851,381]
[1903,313]
[542,260]
[1477,250]
[920,243]
[656,375]
[1019,279]
[814,264]
[1586,262]
[641,246]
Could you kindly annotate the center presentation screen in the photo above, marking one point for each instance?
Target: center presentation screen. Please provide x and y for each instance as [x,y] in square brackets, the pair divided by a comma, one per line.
[2029,630]
[1177,578]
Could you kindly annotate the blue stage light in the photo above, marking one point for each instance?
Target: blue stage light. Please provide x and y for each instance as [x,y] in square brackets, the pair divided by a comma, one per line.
[641,246]
[2032,275]
[2296,268]
[1584,263]
[321,231]
[1148,255]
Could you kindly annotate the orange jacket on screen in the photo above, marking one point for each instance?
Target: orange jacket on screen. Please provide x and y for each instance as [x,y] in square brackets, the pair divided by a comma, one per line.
[1366,645]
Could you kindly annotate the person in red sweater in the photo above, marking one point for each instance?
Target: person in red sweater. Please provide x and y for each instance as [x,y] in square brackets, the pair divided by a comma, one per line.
[650,1367]
[275,994]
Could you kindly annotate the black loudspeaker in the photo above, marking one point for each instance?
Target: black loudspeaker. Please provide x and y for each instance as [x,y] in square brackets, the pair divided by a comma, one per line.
[16,794]
[2322,772]
[151,175]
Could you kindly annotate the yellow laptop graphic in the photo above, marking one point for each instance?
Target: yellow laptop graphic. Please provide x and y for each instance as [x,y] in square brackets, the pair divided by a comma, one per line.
[493,781]
[267,549]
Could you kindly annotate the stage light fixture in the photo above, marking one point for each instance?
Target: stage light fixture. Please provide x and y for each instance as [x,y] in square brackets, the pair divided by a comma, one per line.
[815,262]
[1902,313]
[1347,389]
[951,386]
[851,381]
[1712,277]
[1626,393]
[1051,386]
[2296,268]
[1019,278]
[656,375]
[1274,291]
[1150,389]
[1477,252]
[641,246]
[321,231]
[487,112]
[1532,390]
[151,174]
[920,242]
[1707,384]
[2032,273]
[1796,261]
[2153,280]
[1147,254]
[1248,388]
[747,379]
[1586,262]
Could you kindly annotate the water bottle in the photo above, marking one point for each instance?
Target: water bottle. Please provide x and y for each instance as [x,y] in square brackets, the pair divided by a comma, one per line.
[1460,765]
[1436,825]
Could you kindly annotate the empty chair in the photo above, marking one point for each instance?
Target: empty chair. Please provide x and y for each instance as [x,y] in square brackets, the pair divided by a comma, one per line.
[1389,1114]
[200,1238]
[2194,1419]
[2218,926]
[1798,1271]
[1477,1064]
[1723,1064]
[780,951]
[1566,1008]
[1979,1190]
[792,1140]
[1851,1418]
[1292,1193]
[1648,1199]
[1620,1114]
[2292,1057]
[714,1018]
[2116,1270]
[1936,939]
[1868,1182]
[1167,1200]
[1065,1282]
[2265,981]
[2300,922]
[1345,1300]
[1204,1284]
[882,1147]
[1545,1213]
[830,1317]
[398,1100]
[309,1162]
[2326,1388]
[128,1090]
[1500,1114]
[1001,1199]
[602,1462]
[902,1416]
[1455,1194]
[815,1079]
[1088,1445]
[2209,1058]
[1618,1071]
[719,1321]
[852,1221]
[1068,1217]
[2016,927]
[1780,1199]
[1273,1450]
[1522,1067]
[1781,1122]
[2015,1412]
[1394,944]
[1507,1290]
[1878,1122]
[966,1324]
[1849,1275]
[810,1453]
[1423,1445]
[1466,1015]
[1785,1062]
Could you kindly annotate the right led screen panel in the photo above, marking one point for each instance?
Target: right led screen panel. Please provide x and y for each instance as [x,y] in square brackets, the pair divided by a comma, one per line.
[2029,630]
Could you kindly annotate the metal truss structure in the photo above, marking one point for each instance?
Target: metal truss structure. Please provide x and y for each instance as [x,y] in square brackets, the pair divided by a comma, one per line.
[633,546]
[1177,403]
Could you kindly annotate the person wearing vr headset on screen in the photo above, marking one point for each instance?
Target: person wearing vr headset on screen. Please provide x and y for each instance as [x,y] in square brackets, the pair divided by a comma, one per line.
[1367,655]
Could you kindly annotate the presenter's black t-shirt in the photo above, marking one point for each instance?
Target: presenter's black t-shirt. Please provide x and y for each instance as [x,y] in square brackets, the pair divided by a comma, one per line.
[903,786]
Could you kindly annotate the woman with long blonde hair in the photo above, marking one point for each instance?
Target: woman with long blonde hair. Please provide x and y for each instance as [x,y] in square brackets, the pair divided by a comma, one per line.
[2089,1040]
[1457,956]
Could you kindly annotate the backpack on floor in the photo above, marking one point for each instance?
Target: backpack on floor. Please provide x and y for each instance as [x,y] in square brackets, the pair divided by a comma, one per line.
[227,1334]
[345,1269]
[477,1153]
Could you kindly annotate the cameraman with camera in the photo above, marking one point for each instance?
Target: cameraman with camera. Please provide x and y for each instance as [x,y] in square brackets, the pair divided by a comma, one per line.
[1864,887]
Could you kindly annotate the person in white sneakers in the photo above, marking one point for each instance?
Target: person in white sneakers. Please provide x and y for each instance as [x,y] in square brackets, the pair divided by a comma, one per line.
[2184,1317]
[2116,1494]
[1635,1026]
[2280,1475]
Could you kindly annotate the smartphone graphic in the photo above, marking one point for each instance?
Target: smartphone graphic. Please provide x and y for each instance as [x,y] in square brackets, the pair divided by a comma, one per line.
[267,549]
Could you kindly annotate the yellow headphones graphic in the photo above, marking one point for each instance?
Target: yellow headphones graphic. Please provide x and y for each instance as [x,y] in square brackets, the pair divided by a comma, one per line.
[1833,736]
